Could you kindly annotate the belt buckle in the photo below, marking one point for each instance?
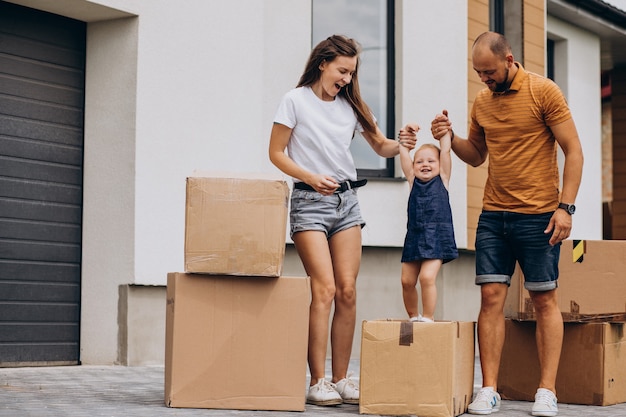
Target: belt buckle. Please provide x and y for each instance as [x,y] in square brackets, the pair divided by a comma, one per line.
[344,186]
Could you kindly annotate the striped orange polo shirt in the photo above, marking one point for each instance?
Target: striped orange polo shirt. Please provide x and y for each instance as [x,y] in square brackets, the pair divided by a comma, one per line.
[523,174]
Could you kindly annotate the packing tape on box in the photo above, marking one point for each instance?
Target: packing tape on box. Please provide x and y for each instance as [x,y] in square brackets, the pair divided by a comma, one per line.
[406,333]
[578,250]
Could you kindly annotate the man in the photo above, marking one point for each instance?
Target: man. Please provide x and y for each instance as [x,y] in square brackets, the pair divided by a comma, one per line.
[518,121]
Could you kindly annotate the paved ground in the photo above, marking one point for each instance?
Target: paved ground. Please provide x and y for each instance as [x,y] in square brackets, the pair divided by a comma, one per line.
[116,391]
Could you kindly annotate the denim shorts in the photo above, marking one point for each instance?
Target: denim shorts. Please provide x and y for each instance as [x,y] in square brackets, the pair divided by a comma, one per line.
[330,214]
[504,237]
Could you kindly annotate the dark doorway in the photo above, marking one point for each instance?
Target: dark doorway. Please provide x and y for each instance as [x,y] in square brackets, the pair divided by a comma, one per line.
[42,73]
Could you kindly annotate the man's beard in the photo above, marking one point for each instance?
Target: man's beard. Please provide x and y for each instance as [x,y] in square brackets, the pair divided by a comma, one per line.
[502,87]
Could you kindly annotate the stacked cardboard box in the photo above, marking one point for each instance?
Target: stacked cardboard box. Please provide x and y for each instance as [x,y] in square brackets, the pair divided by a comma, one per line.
[592,283]
[234,338]
[235,226]
[236,342]
[424,369]
[592,370]
[592,300]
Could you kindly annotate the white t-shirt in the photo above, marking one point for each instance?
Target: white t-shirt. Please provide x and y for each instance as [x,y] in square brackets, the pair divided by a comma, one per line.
[321,132]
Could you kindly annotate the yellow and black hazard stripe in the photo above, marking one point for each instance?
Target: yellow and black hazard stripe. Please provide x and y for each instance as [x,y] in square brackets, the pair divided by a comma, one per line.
[578,251]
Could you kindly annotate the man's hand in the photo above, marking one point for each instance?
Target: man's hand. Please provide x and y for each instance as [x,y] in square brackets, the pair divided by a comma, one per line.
[560,225]
[440,125]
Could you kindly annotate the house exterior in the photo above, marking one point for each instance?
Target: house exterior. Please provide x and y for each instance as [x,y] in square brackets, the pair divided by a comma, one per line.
[156,90]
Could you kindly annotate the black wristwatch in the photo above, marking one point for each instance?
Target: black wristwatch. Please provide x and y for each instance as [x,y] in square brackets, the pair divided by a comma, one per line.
[569,208]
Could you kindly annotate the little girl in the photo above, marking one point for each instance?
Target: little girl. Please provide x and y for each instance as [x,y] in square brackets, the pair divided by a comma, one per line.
[429,240]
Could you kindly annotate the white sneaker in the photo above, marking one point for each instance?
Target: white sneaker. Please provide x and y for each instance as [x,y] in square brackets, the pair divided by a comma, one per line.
[348,389]
[323,393]
[486,402]
[421,319]
[545,403]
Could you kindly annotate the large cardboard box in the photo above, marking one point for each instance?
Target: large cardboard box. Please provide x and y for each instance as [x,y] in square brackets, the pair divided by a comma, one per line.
[425,369]
[592,283]
[592,369]
[236,342]
[235,226]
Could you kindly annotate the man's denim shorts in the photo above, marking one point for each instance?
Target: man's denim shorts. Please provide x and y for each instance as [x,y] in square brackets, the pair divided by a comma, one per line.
[504,237]
[330,214]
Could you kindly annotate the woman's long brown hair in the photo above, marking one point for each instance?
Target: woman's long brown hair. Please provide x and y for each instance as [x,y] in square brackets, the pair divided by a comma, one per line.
[327,50]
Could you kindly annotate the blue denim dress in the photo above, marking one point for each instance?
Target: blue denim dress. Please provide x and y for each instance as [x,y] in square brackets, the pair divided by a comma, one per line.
[430,233]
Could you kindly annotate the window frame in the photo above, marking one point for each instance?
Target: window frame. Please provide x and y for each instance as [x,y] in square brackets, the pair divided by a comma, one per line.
[389,170]
[377,166]
[506,18]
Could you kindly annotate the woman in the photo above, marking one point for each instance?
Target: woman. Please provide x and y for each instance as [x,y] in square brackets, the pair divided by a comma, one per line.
[316,122]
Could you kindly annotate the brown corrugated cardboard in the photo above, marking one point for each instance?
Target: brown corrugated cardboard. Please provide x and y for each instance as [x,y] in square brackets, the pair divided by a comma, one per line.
[235,226]
[592,370]
[592,288]
[425,369]
[236,342]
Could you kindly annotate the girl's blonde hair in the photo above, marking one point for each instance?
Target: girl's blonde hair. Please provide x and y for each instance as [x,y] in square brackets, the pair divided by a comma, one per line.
[427,146]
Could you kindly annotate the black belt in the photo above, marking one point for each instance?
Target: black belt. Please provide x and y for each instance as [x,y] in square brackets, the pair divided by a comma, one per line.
[344,186]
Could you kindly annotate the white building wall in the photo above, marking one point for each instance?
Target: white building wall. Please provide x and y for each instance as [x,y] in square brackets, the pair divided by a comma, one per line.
[108,256]
[210,77]
[206,98]
[432,76]
[177,86]
[577,71]
[206,73]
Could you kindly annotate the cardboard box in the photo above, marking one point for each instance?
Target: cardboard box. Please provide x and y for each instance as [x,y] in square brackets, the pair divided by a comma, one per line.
[425,369]
[592,283]
[236,342]
[235,226]
[592,369]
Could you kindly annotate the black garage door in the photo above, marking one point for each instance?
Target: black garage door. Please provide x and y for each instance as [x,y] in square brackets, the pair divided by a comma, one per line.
[42,72]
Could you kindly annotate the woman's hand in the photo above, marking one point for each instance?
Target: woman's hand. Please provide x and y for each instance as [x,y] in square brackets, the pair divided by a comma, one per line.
[323,184]
[408,135]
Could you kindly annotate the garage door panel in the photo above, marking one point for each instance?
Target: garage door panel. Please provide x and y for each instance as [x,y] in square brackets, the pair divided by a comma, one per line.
[38,312]
[40,231]
[32,129]
[40,211]
[42,72]
[20,354]
[39,191]
[12,270]
[39,51]
[39,332]
[27,170]
[40,151]
[41,111]
[39,251]
[35,90]
[47,293]
[38,25]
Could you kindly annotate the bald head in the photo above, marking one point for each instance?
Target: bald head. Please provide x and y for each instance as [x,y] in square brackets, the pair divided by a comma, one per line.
[492,42]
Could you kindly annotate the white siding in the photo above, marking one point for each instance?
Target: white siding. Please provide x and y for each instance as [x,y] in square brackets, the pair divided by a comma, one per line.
[174,87]
[577,71]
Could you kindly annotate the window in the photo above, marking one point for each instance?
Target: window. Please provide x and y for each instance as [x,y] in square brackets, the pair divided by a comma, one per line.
[550,44]
[506,17]
[496,16]
[370,22]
